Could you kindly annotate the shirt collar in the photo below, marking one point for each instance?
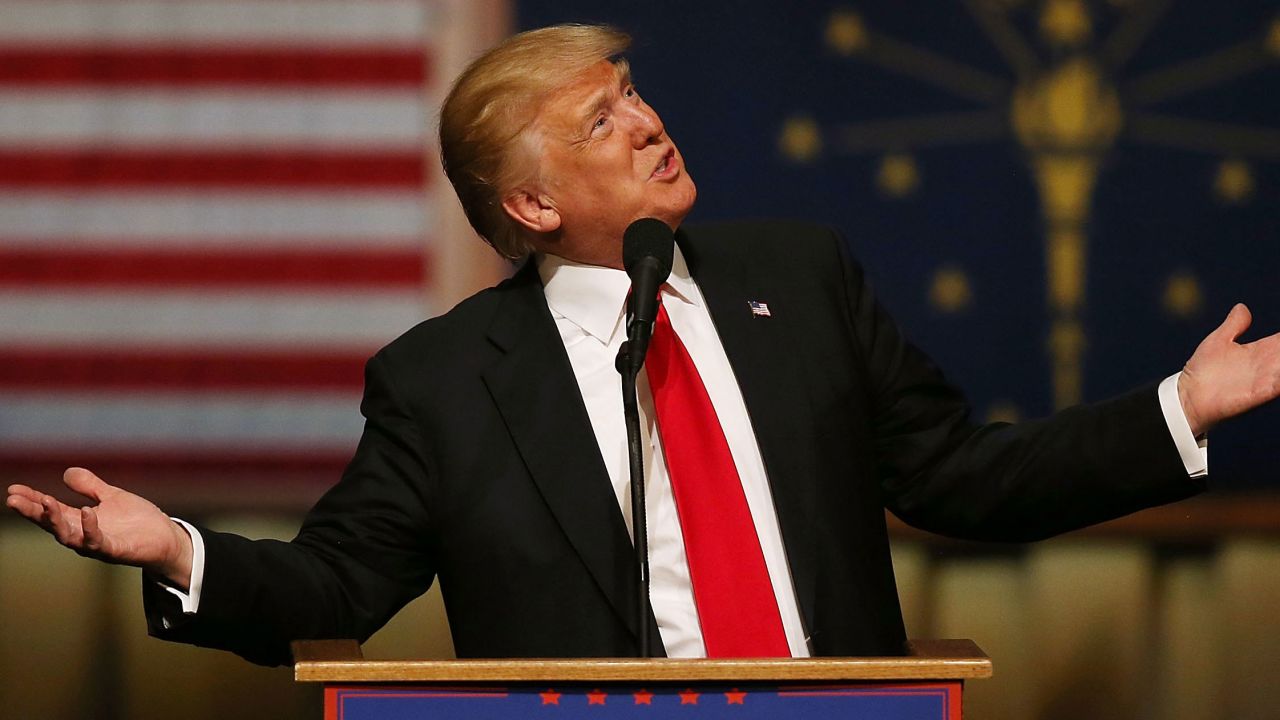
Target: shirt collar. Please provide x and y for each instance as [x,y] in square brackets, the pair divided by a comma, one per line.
[594,297]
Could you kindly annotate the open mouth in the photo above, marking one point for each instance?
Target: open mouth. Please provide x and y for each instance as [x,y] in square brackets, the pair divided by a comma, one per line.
[667,164]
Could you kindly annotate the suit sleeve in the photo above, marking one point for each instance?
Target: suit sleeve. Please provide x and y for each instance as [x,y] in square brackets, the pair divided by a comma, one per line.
[363,552]
[941,472]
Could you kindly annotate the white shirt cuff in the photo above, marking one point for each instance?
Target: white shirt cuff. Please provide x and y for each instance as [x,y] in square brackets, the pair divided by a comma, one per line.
[191,598]
[1193,451]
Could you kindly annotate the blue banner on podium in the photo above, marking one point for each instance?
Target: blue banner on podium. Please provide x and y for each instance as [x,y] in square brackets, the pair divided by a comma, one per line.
[896,701]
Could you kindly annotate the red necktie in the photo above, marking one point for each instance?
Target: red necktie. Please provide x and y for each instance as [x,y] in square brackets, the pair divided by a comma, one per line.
[736,605]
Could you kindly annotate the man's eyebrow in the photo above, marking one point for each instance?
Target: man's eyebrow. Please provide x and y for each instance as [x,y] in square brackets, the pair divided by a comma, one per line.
[596,103]
[602,99]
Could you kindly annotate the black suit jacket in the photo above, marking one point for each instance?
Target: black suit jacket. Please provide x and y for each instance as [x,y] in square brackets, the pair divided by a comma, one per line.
[478,466]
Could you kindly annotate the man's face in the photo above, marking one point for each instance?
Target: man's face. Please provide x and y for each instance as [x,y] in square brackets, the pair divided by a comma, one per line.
[606,160]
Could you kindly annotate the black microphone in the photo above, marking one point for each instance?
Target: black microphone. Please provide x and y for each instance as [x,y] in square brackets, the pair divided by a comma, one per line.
[647,249]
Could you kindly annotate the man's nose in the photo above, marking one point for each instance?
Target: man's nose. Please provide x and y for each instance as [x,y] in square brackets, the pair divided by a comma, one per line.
[646,126]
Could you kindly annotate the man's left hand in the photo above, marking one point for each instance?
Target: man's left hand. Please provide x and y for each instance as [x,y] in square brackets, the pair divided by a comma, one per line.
[1225,378]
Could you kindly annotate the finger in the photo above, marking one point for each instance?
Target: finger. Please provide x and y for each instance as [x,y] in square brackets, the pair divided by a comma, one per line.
[1237,322]
[49,516]
[85,483]
[61,522]
[25,492]
[29,503]
[27,508]
[92,539]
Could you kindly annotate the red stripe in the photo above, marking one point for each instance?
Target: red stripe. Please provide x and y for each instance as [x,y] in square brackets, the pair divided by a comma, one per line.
[187,168]
[223,268]
[178,467]
[203,67]
[34,369]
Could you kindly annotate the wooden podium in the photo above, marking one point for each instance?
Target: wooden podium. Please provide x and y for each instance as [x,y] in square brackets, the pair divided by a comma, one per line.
[927,683]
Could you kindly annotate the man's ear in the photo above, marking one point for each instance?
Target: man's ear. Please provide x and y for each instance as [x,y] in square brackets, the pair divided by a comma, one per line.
[534,211]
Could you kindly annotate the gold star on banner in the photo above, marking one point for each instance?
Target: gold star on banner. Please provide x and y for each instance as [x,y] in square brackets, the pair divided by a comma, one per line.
[845,32]
[950,291]
[800,141]
[1234,182]
[1003,411]
[898,175]
[1065,22]
[1182,296]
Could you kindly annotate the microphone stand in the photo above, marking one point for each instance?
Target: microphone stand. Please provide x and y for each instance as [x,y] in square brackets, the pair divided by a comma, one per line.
[629,368]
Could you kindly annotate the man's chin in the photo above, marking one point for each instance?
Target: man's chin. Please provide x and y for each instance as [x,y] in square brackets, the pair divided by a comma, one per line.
[675,214]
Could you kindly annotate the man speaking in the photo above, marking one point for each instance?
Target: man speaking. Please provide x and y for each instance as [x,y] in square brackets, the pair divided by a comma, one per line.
[781,410]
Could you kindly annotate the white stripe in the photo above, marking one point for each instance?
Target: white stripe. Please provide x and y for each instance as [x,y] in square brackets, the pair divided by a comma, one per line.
[292,22]
[215,218]
[232,421]
[331,320]
[244,118]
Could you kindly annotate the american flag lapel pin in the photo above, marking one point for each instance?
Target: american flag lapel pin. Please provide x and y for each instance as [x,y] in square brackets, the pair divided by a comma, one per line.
[759,309]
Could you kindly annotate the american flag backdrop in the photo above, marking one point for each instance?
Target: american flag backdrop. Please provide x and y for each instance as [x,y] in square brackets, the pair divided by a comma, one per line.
[211,213]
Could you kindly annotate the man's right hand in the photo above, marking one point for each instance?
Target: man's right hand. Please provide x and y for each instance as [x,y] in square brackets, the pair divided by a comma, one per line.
[121,528]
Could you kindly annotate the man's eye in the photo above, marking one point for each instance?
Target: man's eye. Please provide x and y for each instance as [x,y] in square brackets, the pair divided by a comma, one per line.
[630,91]
[599,123]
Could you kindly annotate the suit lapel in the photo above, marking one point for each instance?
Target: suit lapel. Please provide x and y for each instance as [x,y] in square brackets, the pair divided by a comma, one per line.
[762,352]
[534,388]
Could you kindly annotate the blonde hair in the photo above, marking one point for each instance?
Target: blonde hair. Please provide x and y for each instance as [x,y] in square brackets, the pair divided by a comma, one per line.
[484,119]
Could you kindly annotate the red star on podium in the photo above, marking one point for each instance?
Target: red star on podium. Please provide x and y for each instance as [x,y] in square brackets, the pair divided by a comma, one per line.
[643,697]
[550,697]
[735,697]
[596,697]
[688,697]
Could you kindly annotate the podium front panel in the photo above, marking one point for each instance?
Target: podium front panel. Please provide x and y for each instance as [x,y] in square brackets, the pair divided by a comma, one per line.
[875,701]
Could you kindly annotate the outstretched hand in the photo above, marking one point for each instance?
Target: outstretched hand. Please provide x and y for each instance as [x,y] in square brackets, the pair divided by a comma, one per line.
[121,528]
[1225,378]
